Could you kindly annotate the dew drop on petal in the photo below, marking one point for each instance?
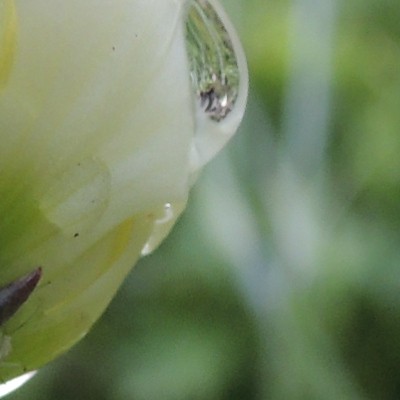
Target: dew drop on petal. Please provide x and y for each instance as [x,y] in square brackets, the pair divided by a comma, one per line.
[165,218]
[214,69]
[218,74]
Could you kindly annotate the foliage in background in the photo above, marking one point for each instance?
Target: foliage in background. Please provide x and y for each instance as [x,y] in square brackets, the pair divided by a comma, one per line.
[282,280]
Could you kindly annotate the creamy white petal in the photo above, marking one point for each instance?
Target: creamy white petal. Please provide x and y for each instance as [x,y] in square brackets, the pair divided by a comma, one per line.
[100,138]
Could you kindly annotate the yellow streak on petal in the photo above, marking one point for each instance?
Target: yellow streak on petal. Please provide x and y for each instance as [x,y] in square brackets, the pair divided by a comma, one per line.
[8,38]
[122,239]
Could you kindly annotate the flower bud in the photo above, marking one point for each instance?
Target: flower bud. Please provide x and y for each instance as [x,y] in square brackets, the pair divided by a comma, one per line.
[108,109]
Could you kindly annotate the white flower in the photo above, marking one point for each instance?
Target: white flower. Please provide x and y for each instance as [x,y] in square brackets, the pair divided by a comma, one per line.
[102,132]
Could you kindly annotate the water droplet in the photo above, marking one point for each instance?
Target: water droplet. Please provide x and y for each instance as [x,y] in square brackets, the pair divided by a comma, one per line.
[214,68]
[166,217]
[219,77]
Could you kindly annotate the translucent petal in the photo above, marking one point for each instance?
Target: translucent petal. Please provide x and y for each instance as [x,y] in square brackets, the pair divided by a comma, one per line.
[101,129]
[14,384]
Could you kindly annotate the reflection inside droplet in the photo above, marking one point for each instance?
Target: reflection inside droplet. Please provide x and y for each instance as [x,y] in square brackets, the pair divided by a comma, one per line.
[214,69]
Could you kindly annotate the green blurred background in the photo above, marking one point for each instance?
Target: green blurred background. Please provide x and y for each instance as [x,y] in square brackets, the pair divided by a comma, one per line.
[282,280]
